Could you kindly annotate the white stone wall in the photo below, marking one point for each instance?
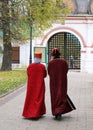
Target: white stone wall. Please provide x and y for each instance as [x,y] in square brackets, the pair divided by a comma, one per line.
[82,28]
[24,55]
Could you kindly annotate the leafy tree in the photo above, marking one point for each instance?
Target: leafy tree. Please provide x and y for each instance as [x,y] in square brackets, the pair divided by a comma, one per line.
[17,16]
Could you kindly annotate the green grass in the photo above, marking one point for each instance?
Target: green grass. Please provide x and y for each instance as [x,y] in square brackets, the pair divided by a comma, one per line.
[10,80]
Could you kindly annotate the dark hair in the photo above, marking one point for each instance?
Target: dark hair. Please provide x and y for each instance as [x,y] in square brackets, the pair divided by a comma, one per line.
[55,52]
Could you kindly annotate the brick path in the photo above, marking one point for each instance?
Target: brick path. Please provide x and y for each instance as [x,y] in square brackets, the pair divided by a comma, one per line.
[80,90]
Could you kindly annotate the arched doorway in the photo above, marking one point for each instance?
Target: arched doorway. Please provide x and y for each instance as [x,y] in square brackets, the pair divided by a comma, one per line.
[69,46]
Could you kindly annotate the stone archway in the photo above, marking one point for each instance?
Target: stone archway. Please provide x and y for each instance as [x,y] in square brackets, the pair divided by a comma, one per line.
[69,46]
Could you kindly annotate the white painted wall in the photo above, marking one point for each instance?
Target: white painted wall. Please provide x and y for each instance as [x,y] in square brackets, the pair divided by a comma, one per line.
[24,54]
[83,29]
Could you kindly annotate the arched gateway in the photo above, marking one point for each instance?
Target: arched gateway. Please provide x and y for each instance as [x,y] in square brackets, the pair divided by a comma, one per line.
[69,46]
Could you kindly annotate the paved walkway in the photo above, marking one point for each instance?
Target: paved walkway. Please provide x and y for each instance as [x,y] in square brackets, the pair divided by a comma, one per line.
[80,90]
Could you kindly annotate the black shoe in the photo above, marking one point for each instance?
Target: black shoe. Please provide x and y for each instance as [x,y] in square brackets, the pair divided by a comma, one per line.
[58,117]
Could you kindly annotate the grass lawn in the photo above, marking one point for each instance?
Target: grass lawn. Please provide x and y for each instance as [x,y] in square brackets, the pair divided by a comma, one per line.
[10,80]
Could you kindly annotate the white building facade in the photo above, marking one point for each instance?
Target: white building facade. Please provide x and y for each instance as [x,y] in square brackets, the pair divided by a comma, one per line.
[80,27]
[74,38]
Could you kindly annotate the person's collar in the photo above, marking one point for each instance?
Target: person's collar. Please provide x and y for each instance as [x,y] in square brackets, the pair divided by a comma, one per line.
[37,60]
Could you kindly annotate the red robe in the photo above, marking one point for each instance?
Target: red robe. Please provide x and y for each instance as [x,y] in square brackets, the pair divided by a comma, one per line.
[34,105]
[60,102]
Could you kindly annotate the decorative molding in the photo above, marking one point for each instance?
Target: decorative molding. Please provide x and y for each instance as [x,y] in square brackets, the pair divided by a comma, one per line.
[79,18]
[63,29]
[83,51]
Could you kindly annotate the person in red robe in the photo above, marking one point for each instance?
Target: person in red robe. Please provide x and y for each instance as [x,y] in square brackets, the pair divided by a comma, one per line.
[57,70]
[34,106]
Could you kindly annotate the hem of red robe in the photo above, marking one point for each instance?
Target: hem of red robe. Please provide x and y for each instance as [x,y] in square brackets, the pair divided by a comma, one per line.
[33,116]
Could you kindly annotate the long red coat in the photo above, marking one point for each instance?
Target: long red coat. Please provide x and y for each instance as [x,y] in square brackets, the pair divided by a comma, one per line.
[34,105]
[60,103]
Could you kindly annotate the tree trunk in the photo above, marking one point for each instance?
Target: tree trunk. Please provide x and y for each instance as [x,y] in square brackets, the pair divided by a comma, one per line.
[7,54]
[7,57]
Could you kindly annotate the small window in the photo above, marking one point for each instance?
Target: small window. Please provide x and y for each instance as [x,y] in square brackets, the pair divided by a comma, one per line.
[15,54]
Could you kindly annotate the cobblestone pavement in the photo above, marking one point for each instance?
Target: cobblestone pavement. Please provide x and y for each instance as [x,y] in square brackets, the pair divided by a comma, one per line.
[80,90]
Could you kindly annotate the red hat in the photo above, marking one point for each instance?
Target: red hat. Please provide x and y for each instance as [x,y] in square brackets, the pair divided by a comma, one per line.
[38,54]
[55,51]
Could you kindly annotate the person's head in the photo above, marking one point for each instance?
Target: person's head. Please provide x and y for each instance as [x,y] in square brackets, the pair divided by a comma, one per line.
[55,53]
[37,56]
